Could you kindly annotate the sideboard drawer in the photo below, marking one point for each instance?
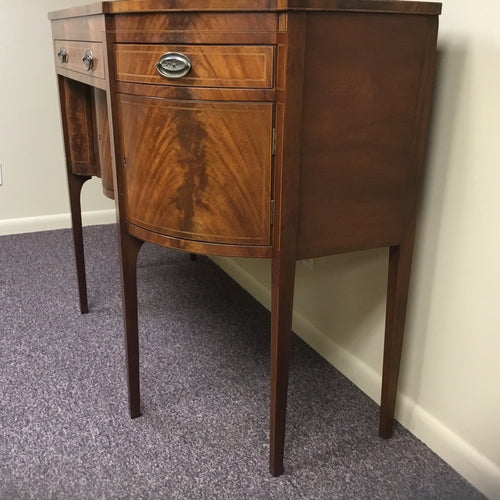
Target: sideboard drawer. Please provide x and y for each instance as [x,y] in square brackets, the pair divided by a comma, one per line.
[217,66]
[70,55]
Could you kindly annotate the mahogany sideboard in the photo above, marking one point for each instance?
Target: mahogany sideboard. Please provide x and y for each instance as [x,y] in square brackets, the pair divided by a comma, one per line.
[286,129]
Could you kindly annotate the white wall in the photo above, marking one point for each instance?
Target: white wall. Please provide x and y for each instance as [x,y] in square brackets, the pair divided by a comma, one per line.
[33,195]
[449,386]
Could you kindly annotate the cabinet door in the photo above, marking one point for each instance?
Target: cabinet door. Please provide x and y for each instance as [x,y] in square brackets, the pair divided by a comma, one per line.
[197,170]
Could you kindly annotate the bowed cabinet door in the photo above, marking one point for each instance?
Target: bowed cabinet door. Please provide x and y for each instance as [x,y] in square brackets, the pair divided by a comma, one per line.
[198,170]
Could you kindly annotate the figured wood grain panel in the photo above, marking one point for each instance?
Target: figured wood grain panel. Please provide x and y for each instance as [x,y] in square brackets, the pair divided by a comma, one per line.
[212,65]
[78,117]
[197,37]
[197,170]
[75,52]
[196,28]
[103,142]
[181,23]
[90,29]
[361,106]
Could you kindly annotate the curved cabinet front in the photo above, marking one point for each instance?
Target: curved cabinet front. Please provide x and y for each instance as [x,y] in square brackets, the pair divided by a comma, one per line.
[197,170]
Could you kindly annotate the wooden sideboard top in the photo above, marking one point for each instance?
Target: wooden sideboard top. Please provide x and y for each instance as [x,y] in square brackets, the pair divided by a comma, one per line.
[131,6]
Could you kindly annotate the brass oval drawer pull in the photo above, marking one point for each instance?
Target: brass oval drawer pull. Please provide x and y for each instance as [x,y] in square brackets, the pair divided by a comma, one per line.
[173,65]
[62,55]
[88,60]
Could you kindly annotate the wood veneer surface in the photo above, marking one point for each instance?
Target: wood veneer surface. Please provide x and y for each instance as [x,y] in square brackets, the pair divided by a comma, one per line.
[124,6]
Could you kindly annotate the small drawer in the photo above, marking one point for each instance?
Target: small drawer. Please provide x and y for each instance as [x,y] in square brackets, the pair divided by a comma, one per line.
[70,55]
[216,66]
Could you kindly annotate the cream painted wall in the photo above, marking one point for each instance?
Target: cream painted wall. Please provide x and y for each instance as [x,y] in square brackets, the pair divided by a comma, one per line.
[33,195]
[449,390]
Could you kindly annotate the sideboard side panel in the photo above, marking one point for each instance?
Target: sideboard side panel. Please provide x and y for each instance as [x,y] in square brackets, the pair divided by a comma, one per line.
[362,100]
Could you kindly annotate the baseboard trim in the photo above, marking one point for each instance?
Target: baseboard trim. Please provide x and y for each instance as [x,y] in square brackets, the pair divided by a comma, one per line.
[452,448]
[51,222]
[479,470]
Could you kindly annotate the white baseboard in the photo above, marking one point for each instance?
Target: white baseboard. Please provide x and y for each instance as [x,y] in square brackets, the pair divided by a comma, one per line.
[452,448]
[51,222]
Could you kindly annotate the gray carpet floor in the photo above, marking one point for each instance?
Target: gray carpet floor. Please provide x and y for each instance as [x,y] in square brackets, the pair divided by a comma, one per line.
[64,426]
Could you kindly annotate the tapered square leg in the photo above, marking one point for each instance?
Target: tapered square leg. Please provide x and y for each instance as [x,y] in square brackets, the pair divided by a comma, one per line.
[75,184]
[283,276]
[129,250]
[397,297]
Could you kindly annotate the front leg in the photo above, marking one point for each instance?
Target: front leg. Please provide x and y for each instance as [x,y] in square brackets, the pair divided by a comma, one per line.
[129,250]
[283,278]
[75,184]
[400,258]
